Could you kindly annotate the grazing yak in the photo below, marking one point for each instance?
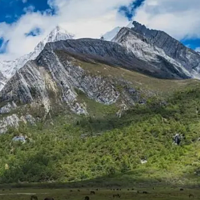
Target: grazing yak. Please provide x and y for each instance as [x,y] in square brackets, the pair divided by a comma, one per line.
[49,198]
[87,198]
[34,197]
[191,196]
[116,195]
[92,192]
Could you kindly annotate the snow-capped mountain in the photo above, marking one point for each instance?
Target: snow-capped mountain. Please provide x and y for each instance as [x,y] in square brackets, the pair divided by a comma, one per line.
[59,70]
[151,45]
[8,68]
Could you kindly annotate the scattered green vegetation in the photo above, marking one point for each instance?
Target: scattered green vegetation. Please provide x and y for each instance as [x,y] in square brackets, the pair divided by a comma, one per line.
[108,150]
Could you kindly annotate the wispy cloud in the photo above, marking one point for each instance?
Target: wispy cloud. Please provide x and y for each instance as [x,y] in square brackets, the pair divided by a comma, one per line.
[92,18]
[84,18]
[179,18]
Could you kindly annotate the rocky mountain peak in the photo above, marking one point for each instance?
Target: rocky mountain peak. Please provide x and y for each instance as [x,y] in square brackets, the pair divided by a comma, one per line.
[187,57]
[58,34]
[8,68]
[63,72]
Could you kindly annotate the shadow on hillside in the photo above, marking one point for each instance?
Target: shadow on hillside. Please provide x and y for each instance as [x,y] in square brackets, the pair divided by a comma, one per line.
[137,179]
[98,125]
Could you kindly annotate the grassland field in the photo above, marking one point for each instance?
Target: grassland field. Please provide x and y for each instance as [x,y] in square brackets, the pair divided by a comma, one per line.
[160,193]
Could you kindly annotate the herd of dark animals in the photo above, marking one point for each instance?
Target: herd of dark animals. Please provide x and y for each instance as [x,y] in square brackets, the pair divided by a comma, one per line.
[34,197]
[177,140]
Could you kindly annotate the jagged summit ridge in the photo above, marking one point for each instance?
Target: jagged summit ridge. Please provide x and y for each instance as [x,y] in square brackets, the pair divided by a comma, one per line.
[56,34]
[144,50]
[145,43]
[187,57]
[62,73]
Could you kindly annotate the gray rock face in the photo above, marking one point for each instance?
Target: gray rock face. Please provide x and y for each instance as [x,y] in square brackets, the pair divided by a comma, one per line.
[55,75]
[10,121]
[173,48]
[13,121]
[69,76]
[156,57]
[8,108]
[117,55]
[3,79]
[30,119]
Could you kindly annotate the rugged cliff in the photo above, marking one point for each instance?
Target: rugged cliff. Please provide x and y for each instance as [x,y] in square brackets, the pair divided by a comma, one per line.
[144,50]
[173,48]
[68,72]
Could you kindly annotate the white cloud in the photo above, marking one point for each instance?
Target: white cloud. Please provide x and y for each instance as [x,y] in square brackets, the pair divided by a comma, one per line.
[92,18]
[179,18]
[84,18]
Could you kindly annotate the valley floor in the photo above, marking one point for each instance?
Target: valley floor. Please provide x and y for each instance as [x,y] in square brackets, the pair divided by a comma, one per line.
[102,194]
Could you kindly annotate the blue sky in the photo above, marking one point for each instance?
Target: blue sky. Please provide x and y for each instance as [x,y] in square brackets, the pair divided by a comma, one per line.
[191,43]
[129,10]
[12,10]
[24,23]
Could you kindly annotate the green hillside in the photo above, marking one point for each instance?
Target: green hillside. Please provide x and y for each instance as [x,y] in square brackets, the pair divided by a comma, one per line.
[105,149]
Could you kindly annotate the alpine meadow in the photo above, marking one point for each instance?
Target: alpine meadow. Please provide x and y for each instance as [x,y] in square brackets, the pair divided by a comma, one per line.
[114,117]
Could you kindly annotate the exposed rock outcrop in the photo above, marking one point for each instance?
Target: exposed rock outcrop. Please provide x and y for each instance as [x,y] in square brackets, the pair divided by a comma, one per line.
[54,75]
[188,58]
[117,55]
[8,108]
[144,50]
[14,121]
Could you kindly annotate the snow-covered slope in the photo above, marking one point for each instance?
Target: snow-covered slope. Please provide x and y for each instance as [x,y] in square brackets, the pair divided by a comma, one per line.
[111,34]
[8,68]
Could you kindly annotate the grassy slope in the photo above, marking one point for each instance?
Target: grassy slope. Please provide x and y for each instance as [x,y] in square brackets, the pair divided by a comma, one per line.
[59,153]
[106,149]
